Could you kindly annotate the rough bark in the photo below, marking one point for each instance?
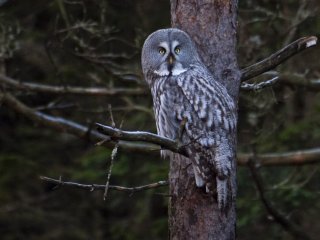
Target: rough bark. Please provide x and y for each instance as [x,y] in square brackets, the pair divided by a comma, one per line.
[212,25]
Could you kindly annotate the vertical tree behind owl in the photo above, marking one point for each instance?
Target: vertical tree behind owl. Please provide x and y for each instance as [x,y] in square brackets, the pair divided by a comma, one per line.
[185,94]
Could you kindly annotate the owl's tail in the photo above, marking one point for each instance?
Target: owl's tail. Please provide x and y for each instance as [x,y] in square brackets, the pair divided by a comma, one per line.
[222,193]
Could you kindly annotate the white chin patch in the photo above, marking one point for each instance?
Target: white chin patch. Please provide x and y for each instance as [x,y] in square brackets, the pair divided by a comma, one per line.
[162,72]
[176,70]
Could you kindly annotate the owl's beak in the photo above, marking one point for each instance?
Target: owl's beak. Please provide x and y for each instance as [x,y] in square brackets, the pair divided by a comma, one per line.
[170,60]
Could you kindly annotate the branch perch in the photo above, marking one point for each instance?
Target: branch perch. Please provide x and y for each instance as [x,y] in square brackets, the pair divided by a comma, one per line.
[101,187]
[278,57]
[117,134]
[302,157]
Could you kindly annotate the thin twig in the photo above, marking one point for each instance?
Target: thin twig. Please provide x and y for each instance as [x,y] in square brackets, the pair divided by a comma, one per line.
[113,124]
[298,185]
[259,86]
[93,187]
[299,81]
[277,216]
[113,155]
[301,15]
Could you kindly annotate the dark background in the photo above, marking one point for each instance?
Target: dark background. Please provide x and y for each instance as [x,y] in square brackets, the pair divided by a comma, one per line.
[97,44]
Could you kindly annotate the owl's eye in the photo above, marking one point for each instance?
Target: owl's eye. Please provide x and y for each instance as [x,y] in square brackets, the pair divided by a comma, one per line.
[162,51]
[177,50]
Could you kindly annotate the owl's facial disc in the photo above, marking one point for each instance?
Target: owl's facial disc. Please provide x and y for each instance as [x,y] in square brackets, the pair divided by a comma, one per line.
[170,64]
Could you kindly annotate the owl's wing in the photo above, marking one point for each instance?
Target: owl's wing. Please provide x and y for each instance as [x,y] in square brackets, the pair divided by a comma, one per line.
[209,110]
[211,118]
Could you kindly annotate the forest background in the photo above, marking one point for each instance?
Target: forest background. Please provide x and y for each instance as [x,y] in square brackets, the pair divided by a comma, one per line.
[92,44]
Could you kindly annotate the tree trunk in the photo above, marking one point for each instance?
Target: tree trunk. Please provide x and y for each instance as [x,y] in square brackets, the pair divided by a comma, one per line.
[212,25]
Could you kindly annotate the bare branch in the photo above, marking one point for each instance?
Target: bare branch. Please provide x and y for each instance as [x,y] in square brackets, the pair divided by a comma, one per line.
[96,91]
[294,158]
[67,126]
[278,57]
[277,216]
[92,187]
[54,122]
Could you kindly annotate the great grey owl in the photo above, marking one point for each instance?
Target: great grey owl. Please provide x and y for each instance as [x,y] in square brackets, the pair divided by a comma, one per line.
[185,94]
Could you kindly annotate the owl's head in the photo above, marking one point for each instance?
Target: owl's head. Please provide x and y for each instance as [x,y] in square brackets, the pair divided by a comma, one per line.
[168,52]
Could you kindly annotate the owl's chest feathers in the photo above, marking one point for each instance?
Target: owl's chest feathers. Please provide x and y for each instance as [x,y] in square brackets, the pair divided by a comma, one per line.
[167,99]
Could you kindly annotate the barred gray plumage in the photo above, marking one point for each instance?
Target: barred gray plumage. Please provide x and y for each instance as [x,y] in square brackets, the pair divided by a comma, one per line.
[184,91]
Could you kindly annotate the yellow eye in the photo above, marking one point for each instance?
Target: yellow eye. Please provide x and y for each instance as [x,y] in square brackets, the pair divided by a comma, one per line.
[177,50]
[162,51]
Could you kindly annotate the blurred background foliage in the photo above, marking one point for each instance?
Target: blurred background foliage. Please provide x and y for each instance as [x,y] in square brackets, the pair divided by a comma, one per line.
[97,44]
